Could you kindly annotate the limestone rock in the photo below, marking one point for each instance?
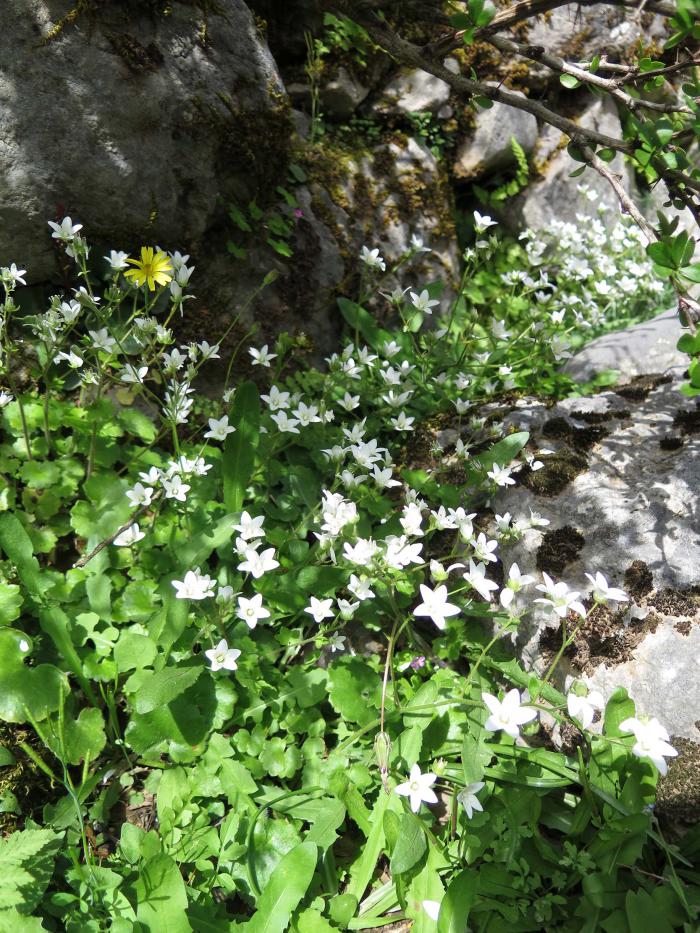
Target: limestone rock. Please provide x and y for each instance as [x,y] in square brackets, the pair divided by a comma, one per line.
[555,194]
[628,511]
[489,149]
[415,91]
[643,348]
[131,124]
[342,95]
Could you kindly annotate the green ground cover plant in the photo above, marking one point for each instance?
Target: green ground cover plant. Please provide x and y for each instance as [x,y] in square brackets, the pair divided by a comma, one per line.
[254,653]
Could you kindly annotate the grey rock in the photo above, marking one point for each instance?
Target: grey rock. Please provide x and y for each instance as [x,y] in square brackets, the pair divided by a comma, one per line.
[489,149]
[635,501]
[342,95]
[555,194]
[643,348]
[133,127]
[578,33]
[415,91]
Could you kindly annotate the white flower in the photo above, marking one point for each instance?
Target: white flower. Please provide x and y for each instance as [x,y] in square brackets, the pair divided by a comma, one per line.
[559,597]
[117,260]
[337,642]
[251,610]
[476,578]
[467,797]
[223,657]
[130,535]
[418,788]
[347,609]
[516,581]
[423,302]
[417,244]
[219,428]
[390,349]
[360,588]
[285,423]
[411,519]
[72,358]
[250,527]
[383,478]
[498,329]
[139,495]
[196,585]
[5,398]
[349,402]
[261,357]
[583,708]
[306,414]
[174,488]
[65,231]
[131,374]
[652,741]
[399,553]
[101,340]
[603,592]
[361,553]
[507,714]
[483,549]
[402,422]
[258,564]
[15,274]
[500,476]
[372,259]
[70,310]
[482,222]
[276,400]
[320,609]
[435,605]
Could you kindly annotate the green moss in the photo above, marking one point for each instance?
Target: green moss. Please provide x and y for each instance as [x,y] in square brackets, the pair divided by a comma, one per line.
[679,792]
[559,470]
[559,548]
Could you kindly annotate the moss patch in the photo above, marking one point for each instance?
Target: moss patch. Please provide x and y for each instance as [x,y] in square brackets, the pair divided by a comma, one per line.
[687,421]
[559,548]
[639,388]
[638,579]
[674,603]
[559,470]
[678,795]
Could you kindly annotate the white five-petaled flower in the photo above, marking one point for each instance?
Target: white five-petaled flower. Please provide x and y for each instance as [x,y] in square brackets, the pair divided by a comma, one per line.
[435,605]
[651,741]
[402,422]
[249,527]
[559,597]
[603,592]
[507,714]
[261,357]
[117,260]
[372,259]
[501,475]
[258,564]
[476,578]
[101,340]
[423,302]
[129,536]
[418,788]
[251,610]
[72,358]
[223,657]
[219,428]
[337,642]
[66,230]
[516,581]
[139,495]
[467,797]
[174,488]
[196,585]
[583,708]
[285,423]
[320,609]
[15,275]
[482,222]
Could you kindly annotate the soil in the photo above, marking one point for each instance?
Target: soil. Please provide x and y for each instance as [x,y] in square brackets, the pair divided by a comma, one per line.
[638,579]
[602,638]
[639,388]
[560,469]
[678,796]
[559,548]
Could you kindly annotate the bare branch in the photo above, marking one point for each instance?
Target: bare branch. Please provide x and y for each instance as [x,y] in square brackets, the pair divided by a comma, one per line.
[626,203]
[86,558]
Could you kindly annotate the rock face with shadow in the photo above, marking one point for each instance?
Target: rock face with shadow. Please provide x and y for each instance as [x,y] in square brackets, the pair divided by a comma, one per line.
[621,494]
[644,348]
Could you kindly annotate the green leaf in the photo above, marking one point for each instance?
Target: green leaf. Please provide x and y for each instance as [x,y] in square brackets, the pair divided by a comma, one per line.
[33,691]
[503,451]
[240,447]
[323,830]
[362,869]
[57,626]
[84,737]
[17,545]
[459,899]
[161,896]
[569,81]
[619,707]
[162,688]
[27,861]
[354,690]
[410,845]
[10,603]
[285,889]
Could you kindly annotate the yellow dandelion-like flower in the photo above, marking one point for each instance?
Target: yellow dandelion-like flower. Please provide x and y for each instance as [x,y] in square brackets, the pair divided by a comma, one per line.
[152,268]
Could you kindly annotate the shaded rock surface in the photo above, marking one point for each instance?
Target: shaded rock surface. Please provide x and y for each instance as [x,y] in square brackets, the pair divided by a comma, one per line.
[631,513]
[414,91]
[489,149]
[643,348]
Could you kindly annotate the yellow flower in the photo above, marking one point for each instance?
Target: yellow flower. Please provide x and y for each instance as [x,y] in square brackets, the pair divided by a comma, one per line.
[150,268]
